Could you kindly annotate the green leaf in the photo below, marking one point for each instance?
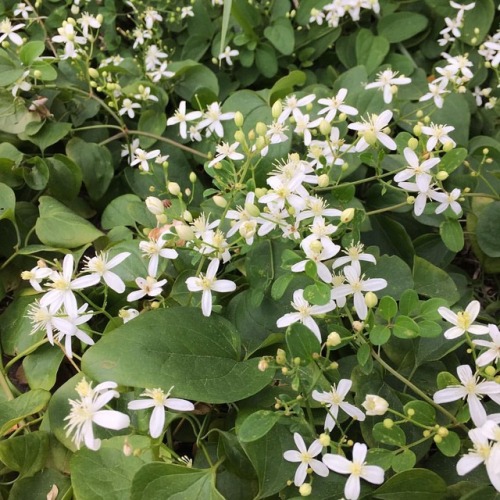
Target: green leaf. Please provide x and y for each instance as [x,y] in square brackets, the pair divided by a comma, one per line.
[111,470]
[127,210]
[429,329]
[387,307]
[302,342]
[257,425]
[49,134]
[286,85]
[266,60]
[60,227]
[393,436]
[281,35]
[424,413]
[25,454]
[479,18]
[488,229]
[363,354]
[236,459]
[95,163]
[405,328]
[39,486]
[195,79]
[415,484]
[30,51]
[152,121]
[318,294]
[380,335]
[404,461]
[370,49]
[429,309]
[158,481]
[36,176]
[401,26]
[41,367]
[395,271]
[266,455]
[450,444]
[431,281]
[15,410]
[65,179]
[452,160]
[177,347]
[409,303]
[14,115]
[7,202]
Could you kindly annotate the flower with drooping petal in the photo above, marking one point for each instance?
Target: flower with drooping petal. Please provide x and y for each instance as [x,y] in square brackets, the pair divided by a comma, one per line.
[128,314]
[304,313]
[357,470]
[208,283]
[334,400]
[158,400]
[100,266]
[472,391]
[463,321]
[492,355]
[87,410]
[37,275]
[306,458]
[148,286]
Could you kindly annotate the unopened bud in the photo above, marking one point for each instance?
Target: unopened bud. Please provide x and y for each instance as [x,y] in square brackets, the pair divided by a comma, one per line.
[442,175]
[316,246]
[437,439]
[358,326]
[239,136]
[192,177]
[323,180]
[155,304]
[305,489]
[184,232]
[260,143]
[252,210]
[280,357]
[238,119]
[410,200]
[259,192]
[127,449]
[417,130]
[261,128]
[410,412]
[155,205]
[93,73]
[174,189]
[219,201]
[420,113]
[333,339]
[490,371]
[371,300]
[263,365]
[342,117]
[448,146]
[443,432]
[161,219]
[388,423]
[370,137]
[186,215]
[325,440]
[251,135]
[413,143]
[277,109]
[347,215]
[324,127]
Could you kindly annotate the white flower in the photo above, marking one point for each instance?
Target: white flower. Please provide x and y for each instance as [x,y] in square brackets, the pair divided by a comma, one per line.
[334,104]
[23,10]
[355,286]
[145,94]
[227,54]
[36,276]
[448,200]
[438,133]
[42,319]
[141,157]
[128,107]
[387,81]
[67,327]
[375,405]
[462,321]
[68,36]
[206,283]
[492,355]
[371,130]
[87,21]
[306,458]
[181,117]
[212,119]
[357,469]
[482,452]
[226,150]
[354,255]
[100,266]
[63,285]
[304,313]
[416,169]
[472,390]
[436,90]
[150,17]
[187,12]
[334,400]
[153,249]
[8,31]
[128,314]
[293,105]
[148,286]
[159,401]
[153,57]
[87,410]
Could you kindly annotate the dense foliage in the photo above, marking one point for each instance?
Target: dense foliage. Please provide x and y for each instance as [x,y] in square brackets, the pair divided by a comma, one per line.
[249,249]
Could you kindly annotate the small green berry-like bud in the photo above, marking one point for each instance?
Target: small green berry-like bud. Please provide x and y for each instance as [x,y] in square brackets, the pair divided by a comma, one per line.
[280,357]
[442,175]
[277,109]
[324,127]
[305,489]
[413,143]
[333,339]
[192,177]
[239,136]
[323,180]
[448,146]
[371,300]
[388,423]
[219,201]
[261,128]
[417,130]
[238,119]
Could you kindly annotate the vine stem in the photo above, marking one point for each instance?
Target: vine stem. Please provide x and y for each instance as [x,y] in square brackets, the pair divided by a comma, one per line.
[417,391]
[5,386]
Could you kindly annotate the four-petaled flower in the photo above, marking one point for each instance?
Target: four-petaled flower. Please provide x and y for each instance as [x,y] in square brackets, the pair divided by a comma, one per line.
[462,321]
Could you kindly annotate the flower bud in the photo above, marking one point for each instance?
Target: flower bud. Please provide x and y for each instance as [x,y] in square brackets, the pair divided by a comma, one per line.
[490,371]
[127,448]
[161,219]
[420,113]
[93,73]
[442,175]
[261,128]
[333,339]
[438,439]
[417,130]
[370,137]
[184,232]
[413,143]
[342,117]
[263,365]
[347,215]
[375,405]
[219,201]
[252,210]
[443,432]
[316,246]
[305,489]
[251,135]
[155,205]
[280,357]
[259,192]
[277,109]
[486,151]
[325,440]
[388,423]
[358,326]
[248,229]
[192,177]
[410,200]
[238,119]
[323,180]
[448,146]
[239,136]
[371,300]
[186,215]
[174,189]
[324,127]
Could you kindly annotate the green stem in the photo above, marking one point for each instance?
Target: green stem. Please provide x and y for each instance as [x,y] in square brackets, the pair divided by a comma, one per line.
[5,386]
[30,349]
[388,209]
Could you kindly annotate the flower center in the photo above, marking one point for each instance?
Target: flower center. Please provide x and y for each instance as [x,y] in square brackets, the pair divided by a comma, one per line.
[463,320]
